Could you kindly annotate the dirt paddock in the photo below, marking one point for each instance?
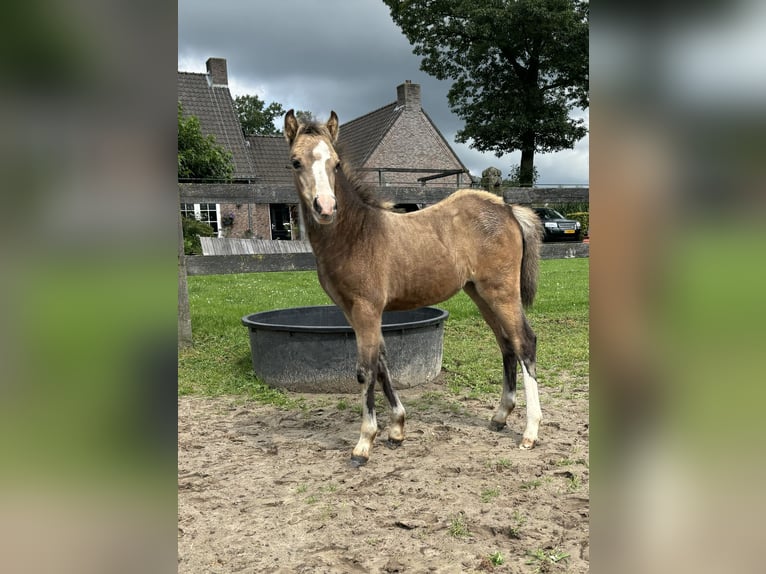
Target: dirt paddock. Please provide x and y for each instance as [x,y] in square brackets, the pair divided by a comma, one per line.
[267,490]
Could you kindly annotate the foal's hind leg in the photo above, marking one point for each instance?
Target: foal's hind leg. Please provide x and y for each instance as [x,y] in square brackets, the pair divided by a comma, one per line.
[529,370]
[396,430]
[505,308]
[508,397]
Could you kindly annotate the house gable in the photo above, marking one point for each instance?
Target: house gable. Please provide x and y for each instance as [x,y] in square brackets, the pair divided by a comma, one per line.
[413,142]
[207,97]
[359,137]
[399,136]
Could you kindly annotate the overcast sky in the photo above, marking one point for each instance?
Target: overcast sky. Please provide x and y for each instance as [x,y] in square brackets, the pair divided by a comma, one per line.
[340,55]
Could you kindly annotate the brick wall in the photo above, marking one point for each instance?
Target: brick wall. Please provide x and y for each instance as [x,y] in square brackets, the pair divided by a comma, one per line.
[413,142]
[256,218]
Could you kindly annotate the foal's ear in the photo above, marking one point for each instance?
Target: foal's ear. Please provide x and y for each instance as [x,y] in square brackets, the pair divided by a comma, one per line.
[332,126]
[291,127]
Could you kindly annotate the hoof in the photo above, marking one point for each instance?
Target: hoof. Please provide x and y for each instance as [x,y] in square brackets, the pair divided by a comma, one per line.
[393,444]
[526,443]
[496,426]
[357,461]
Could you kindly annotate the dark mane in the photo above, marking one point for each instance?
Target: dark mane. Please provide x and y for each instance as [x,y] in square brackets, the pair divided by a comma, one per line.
[362,189]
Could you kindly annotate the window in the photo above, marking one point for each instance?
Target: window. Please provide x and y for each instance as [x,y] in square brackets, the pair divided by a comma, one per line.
[280,221]
[210,213]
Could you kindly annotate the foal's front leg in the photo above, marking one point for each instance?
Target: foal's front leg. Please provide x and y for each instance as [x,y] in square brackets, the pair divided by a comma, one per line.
[368,341]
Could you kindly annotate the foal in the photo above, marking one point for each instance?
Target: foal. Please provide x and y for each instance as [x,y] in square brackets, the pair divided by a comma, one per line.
[370,259]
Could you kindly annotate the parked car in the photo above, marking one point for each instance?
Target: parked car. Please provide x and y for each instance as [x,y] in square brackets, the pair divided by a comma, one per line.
[556,226]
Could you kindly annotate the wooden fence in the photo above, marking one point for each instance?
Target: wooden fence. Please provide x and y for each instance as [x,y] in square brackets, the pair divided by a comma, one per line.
[259,193]
[256,256]
[298,260]
[293,255]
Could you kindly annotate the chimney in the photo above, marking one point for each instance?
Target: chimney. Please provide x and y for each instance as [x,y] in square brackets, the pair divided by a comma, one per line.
[216,71]
[408,95]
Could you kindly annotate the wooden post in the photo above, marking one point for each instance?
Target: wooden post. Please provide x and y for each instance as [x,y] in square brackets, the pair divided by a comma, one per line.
[184,316]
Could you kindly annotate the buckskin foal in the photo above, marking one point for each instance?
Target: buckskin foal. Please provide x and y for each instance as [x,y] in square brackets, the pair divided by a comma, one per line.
[371,259]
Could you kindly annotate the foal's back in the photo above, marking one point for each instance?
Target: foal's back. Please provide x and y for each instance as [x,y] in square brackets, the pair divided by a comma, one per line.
[431,254]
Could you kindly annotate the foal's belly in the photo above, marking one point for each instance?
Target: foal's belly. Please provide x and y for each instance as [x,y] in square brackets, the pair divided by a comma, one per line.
[422,290]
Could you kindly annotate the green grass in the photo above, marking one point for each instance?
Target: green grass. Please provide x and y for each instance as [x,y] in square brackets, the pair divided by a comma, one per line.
[496,558]
[458,527]
[544,559]
[219,361]
[489,494]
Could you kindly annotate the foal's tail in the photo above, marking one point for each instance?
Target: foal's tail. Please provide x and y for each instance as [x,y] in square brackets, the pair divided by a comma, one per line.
[532,236]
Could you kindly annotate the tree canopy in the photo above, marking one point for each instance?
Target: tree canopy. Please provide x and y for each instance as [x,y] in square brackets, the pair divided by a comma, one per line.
[199,156]
[519,68]
[256,117]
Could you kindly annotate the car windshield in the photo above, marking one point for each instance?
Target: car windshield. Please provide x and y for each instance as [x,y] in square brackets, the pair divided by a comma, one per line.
[548,213]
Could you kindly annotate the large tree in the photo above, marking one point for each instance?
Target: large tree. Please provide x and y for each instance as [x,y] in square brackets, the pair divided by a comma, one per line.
[256,117]
[519,69]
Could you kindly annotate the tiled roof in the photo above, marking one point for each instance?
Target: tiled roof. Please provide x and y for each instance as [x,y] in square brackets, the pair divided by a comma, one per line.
[361,136]
[270,155]
[215,109]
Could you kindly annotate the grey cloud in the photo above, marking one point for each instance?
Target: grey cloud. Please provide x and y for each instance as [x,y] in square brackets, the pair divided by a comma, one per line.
[320,56]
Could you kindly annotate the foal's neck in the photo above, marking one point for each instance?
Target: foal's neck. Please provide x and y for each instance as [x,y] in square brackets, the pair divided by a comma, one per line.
[357,216]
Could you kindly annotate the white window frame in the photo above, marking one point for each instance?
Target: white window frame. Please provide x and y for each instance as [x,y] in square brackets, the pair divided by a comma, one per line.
[198,214]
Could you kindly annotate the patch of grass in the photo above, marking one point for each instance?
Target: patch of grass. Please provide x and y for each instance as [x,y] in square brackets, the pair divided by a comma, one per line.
[342,405]
[219,363]
[560,317]
[531,484]
[544,559]
[574,483]
[489,494]
[436,401]
[496,558]
[514,530]
[458,527]
[500,464]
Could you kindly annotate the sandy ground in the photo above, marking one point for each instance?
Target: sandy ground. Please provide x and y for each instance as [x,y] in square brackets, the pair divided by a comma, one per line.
[268,490]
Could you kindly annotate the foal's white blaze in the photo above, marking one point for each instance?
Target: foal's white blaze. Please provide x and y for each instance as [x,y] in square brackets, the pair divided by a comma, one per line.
[325,196]
[534,413]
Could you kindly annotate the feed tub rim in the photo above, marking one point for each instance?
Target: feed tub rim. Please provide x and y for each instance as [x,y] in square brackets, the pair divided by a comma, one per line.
[439,316]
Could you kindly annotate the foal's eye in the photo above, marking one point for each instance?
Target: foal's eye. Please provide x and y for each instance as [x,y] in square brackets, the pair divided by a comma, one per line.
[337,166]
[296,164]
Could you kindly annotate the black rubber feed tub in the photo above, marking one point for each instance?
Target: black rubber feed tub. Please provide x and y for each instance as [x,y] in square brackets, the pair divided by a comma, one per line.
[313,349]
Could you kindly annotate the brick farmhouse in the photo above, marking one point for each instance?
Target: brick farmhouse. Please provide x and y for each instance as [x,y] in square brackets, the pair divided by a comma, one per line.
[395,145]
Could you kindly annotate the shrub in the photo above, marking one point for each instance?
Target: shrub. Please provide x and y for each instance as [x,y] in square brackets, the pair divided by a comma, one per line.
[583,217]
[193,229]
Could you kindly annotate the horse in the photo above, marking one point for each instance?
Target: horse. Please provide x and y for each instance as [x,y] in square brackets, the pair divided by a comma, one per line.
[372,259]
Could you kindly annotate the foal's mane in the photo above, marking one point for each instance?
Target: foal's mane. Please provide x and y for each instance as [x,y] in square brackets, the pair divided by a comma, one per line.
[313,129]
[351,181]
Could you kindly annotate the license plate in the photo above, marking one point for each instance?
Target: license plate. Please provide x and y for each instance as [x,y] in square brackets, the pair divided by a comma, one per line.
[569,231]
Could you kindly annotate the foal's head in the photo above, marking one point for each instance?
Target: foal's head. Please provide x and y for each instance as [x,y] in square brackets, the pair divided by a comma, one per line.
[314,162]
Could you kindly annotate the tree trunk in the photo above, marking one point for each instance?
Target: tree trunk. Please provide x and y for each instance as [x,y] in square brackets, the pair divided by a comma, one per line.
[527,168]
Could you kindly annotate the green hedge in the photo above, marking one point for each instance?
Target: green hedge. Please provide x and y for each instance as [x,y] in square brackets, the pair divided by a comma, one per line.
[192,230]
[583,217]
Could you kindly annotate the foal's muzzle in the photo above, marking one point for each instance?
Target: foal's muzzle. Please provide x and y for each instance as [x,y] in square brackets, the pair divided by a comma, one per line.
[324,208]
